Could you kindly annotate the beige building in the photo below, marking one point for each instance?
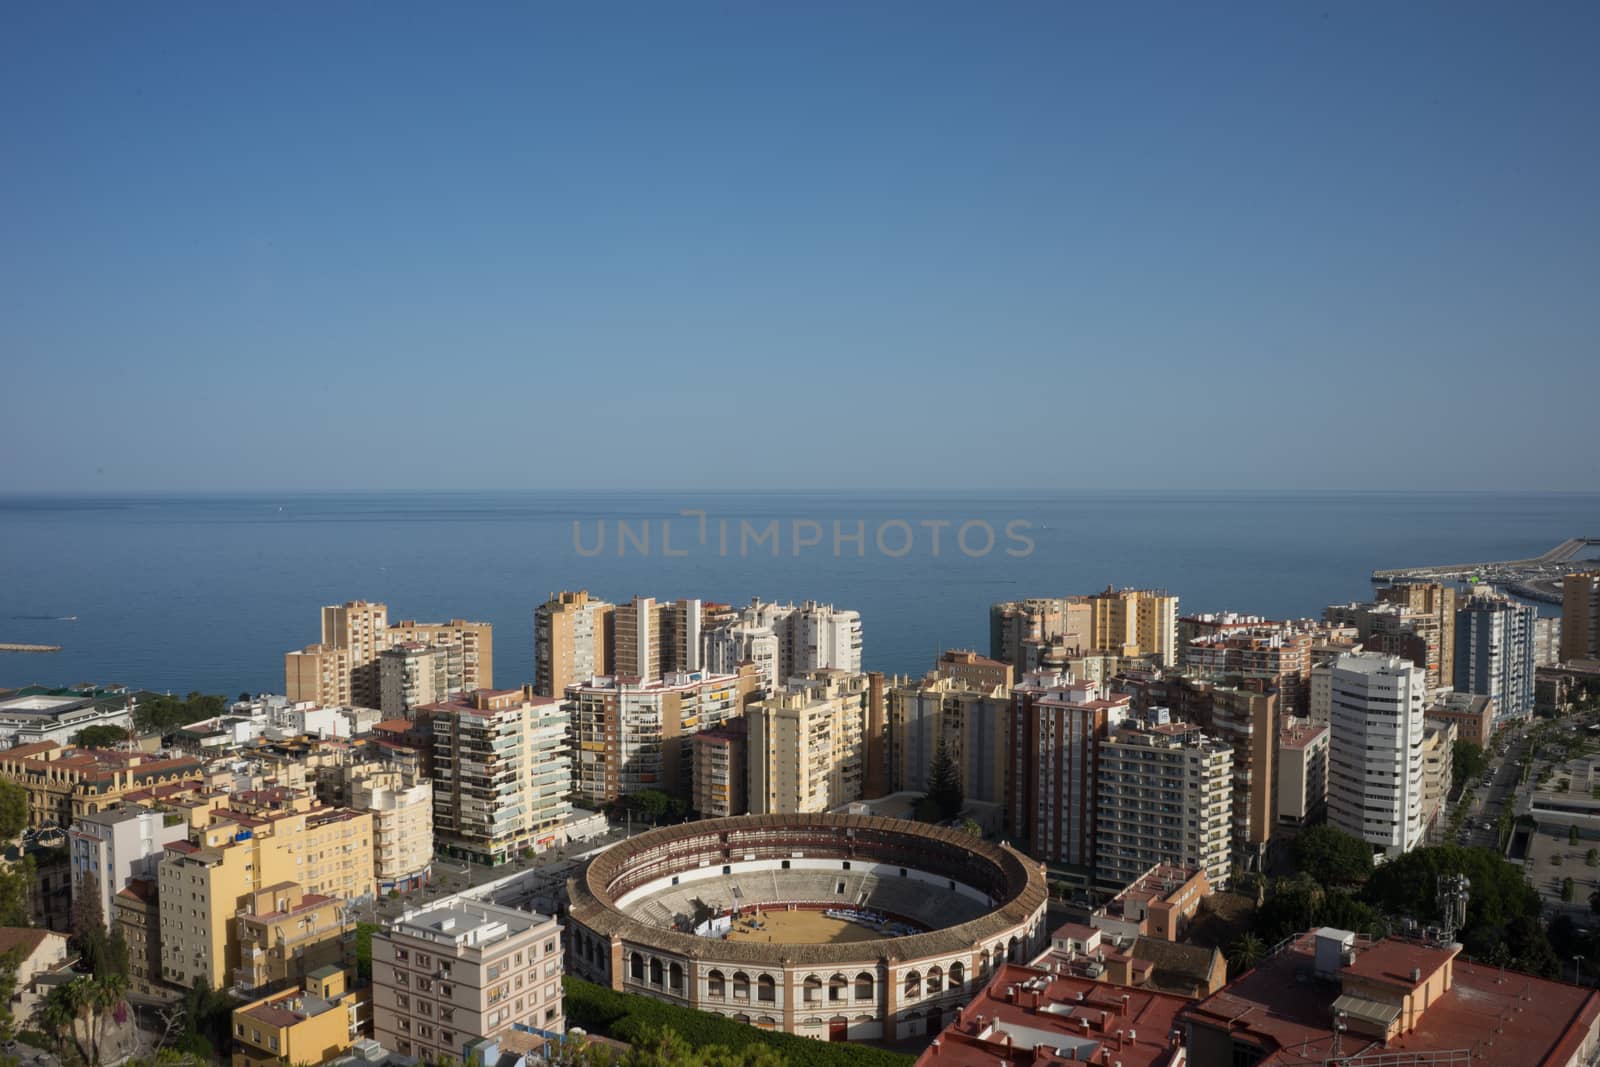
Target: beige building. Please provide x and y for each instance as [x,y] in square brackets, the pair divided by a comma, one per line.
[501,774]
[631,734]
[973,670]
[808,744]
[722,770]
[1580,616]
[137,917]
[651,639]
[343,670]
[460,971]
[401,806]
[1246,719]
[572,635]
[1163,796]
[263,838]
[1438,743]
[411,674]
[1438,601]
[1302,772]
[970,720]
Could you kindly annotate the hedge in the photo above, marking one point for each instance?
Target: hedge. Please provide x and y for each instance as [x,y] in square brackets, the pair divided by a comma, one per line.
[632,1018]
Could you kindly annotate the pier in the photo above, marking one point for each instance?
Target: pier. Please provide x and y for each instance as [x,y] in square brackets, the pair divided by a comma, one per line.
[1565,552]
[10,646]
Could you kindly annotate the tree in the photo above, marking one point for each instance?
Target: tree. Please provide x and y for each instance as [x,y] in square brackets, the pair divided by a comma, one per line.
[16,892]
[1569,890]
[364,932]
[1572,835]
[13,810]
[944,783]
[100,737]
[1331,856]
[162,713]
[1467,760]
[1502,910]
[1246,953]
[971,826]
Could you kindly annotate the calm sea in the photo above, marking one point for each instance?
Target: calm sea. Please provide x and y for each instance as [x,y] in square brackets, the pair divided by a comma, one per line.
[208,592]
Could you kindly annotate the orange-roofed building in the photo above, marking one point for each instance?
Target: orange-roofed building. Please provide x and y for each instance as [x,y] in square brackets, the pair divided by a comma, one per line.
[1330,995]
[1028,1017]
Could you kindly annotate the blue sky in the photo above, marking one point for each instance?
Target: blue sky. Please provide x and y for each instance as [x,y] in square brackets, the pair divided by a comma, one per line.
[802,245]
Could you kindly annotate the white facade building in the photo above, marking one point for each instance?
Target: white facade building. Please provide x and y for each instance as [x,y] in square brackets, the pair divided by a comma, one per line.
[110,848]
[30,719]
[785,641]
[1375,758]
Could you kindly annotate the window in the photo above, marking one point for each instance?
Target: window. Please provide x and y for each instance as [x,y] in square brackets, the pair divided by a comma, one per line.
[766,989]
[741,986]
[715,985]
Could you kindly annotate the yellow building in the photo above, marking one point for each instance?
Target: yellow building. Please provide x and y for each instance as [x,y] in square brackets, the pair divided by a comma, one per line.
[808,744]
[262,838]
[1136,622]
[308,1025]
[285,934]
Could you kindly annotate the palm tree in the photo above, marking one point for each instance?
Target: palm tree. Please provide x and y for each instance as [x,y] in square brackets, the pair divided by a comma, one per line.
[1246,953]
[105,997]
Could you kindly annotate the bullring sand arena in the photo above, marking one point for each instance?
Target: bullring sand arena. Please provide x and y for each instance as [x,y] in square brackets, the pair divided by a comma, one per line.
[799,927]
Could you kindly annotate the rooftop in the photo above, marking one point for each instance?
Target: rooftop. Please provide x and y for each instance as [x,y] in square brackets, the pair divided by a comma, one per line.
[1028,1017]
[468,923]
[1296,735]
[1505,1019]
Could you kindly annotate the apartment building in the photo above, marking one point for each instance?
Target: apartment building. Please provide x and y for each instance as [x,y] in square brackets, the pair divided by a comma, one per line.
[973,670]
[1494,651]
[1245,717]
[1580,616]
[1414,621]
[1057,727]
[65,784]
[1016,625]
[721,770]
[309,1024]
[572,641]
[1438,746]
[969,718]
[631,734]
[1546,642]
[260,839]
[137,917]
[1135,623]
[1375,766]
[1472,714]
[1275,655]
[401,806]
[651,638]
[411,674]
[501,773]
[807,744]
[460,971]
[1437,600]
[1163,796]
[785,640]
[109,849]
[343,669]
[1302,773]
[286,935]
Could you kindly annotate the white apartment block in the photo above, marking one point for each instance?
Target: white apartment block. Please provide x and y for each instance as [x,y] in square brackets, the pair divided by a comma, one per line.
[786,640]
[110,848]
[1375,758]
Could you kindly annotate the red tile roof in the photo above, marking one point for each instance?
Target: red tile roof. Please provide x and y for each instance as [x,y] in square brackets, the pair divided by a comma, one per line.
[1026,1017]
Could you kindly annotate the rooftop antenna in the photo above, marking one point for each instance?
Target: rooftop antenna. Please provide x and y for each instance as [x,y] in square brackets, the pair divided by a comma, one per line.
[1453,891]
